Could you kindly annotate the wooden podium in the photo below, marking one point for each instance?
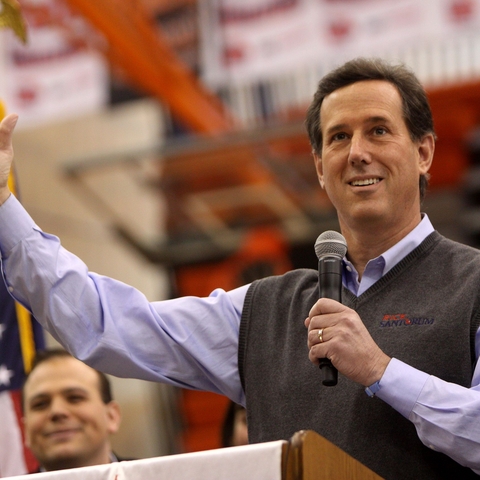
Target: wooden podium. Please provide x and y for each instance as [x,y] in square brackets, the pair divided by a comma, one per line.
[309,456]
[306,456]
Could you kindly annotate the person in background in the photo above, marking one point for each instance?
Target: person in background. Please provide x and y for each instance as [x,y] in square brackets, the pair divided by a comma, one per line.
[405,338]
[68,413]
[234,427]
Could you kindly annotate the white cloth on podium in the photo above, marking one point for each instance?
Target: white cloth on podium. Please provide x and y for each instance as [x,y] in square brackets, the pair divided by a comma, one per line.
[110,471]
[261,461]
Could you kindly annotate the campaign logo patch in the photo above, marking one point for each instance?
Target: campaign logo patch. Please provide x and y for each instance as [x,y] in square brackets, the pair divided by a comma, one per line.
[404,320]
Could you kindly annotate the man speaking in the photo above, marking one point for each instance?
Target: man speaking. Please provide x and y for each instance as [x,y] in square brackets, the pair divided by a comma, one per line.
[407,401]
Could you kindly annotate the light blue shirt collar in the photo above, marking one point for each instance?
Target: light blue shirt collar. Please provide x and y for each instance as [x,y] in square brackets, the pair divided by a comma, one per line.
[378,267]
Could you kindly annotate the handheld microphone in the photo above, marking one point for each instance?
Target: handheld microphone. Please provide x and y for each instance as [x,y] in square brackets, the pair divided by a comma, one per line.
[330,248]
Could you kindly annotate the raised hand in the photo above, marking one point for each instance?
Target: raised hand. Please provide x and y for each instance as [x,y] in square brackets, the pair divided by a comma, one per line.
[7,126]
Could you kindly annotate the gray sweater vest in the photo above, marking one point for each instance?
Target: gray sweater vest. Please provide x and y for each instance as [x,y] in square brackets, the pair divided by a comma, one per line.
[425,312]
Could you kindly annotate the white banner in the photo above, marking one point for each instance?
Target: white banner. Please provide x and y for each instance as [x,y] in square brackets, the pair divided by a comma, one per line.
[57,74]
[245,41]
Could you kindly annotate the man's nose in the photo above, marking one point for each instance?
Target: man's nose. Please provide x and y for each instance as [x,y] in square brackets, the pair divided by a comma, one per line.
[58,408]
[358,151]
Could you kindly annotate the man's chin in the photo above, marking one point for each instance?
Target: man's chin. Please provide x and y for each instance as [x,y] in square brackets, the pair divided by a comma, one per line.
[65,464]
[62,458]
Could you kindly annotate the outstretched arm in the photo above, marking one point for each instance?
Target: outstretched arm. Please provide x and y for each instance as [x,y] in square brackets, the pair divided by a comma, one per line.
[6,153]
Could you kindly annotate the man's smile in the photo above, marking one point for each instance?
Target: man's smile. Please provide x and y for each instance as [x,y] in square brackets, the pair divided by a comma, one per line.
[364,182]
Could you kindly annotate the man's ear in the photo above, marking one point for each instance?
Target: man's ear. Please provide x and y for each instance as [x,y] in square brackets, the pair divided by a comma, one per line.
[113,416]
[426,148]
[319,168]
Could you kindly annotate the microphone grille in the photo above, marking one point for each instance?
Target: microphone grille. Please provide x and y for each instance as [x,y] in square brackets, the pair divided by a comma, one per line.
[330,243]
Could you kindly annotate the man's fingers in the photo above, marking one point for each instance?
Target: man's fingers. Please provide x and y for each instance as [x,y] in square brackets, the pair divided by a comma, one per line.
[6,129]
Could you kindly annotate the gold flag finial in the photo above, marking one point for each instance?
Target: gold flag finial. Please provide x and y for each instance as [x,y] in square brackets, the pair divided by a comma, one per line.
[11,17]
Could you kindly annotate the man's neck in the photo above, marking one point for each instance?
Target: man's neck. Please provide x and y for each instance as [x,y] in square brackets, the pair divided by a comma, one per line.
[368,243]
[69,463]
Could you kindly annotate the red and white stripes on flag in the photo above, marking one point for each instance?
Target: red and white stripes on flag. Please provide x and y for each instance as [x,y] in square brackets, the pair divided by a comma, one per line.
[14,460]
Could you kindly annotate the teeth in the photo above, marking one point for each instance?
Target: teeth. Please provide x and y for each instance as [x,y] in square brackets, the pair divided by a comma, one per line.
[369,181]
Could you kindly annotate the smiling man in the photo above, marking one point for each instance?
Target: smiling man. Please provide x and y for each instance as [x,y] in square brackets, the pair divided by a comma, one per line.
[69,413]
[370,167]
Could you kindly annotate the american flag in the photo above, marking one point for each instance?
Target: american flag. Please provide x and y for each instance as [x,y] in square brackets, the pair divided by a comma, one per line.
[20,336]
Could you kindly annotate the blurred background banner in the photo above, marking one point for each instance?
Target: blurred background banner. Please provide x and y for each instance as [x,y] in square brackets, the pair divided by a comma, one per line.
[56,74]
[248,40]
[245,40]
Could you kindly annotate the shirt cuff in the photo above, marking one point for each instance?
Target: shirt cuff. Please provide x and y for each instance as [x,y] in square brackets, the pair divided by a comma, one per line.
[401,385]
[373,389]
[15,225]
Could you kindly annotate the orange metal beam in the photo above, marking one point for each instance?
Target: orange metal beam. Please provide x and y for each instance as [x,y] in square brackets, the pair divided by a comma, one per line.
[151,64]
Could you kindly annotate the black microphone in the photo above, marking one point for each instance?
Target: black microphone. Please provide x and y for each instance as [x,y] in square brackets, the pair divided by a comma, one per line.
[330,248]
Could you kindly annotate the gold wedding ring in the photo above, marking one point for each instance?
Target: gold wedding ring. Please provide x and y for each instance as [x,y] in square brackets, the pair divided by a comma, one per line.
[320,335]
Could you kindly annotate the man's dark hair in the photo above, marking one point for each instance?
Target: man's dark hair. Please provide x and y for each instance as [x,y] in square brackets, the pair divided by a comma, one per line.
[416,108]
[43,356]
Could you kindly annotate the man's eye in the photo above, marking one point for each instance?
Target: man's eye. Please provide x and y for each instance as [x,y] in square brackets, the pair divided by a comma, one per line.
[38,406]
[339,136]
[75,398]
[380,131]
